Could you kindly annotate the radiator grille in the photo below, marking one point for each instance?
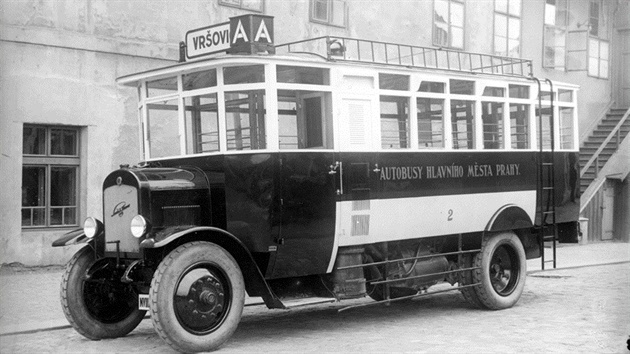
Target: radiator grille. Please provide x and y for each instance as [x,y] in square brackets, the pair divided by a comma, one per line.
[120,205]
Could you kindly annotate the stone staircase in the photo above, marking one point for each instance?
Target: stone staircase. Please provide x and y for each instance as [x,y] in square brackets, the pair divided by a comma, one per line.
[595,140]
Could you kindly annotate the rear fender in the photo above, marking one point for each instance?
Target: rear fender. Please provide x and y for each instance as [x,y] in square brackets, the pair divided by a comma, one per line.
[509,217]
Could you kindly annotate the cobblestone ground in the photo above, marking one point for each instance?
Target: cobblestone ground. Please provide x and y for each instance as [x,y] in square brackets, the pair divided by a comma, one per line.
[583,310]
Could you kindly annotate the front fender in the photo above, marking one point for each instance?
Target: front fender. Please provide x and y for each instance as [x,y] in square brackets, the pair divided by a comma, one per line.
[73,237]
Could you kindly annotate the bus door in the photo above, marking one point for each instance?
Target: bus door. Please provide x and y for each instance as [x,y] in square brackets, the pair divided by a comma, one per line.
[307,190]
[357,178]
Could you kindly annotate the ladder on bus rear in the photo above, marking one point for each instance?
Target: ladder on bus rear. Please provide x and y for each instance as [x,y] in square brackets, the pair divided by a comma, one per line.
[546,208]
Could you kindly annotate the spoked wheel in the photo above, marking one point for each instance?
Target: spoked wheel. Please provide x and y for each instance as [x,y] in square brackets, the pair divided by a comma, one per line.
[94,300]
[197,297]
[502,272]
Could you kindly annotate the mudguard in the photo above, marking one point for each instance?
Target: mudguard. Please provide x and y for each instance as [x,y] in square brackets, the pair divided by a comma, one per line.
[509,217]
[73,237]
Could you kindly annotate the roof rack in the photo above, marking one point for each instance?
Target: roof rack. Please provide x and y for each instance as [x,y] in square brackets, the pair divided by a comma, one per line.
[335,48]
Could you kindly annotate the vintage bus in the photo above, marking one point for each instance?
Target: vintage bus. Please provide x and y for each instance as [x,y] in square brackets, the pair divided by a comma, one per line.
[322,170]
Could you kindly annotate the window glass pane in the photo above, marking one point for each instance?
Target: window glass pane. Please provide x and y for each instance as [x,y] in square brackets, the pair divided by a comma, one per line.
[593,48]
[462,119]
[430,123]
[603,69]
[338,13]
[494,91]
[200,80]
[63,142]
[462,87]
[565,95]
[440,23]
[550,12]
[500,25]
[500,46]
[544,116]
[63,194]
[501,6]
[457,14]
[457,37]
[492,118]
[515,7]
[566,128]
[593,67]
[320,10]
[243,74]
[515,28]
[302,75]
[431,86]
[34,141]
[518,91]
[514,48]
[33,195]
[393,82]
[245,118]
[162,87]
[394,122]
[603,50]
[519,125]
[202,126]
[255,5]
[163,127]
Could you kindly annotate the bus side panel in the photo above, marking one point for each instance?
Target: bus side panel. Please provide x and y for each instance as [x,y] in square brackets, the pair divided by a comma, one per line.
[566,187]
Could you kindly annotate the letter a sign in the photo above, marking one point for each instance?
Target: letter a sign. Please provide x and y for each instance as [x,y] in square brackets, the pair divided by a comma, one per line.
[251,34]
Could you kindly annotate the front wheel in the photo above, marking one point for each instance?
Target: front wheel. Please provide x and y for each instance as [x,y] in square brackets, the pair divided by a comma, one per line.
[502,271]
[197,297]
[94,300]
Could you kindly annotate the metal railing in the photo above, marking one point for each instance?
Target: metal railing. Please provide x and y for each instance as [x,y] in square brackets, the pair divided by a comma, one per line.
[334,48]
[616,132]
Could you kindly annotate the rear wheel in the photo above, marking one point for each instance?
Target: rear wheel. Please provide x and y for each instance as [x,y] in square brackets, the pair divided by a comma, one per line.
[94,300]
[197,297]
[502,271]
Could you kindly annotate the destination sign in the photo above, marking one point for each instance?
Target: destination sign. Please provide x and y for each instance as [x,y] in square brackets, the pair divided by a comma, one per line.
[208,40]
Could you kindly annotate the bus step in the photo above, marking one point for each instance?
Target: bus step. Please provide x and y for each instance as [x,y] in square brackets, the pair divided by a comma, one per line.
[291,303]
[548,188]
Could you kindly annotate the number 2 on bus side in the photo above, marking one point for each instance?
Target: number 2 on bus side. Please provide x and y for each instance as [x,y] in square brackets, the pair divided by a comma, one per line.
[450,215]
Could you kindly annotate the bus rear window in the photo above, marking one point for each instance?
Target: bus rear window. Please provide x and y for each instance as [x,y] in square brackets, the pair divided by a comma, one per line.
[162,87]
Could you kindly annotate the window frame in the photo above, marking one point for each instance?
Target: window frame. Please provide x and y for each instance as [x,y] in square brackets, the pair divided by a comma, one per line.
[330,8]
[556,28]
[449,24]
[506,36]
[49,161]
[240,5]
[601,38]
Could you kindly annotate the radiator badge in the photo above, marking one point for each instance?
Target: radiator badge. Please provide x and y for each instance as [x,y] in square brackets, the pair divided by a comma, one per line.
[120,208]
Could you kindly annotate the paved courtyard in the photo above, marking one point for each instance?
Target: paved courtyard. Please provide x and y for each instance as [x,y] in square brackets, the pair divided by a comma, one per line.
[583,309]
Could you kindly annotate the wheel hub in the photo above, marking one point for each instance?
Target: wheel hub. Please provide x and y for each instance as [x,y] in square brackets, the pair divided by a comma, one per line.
[200,301]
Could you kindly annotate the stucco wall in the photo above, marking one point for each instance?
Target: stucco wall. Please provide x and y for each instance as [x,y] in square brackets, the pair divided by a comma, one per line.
[59,61]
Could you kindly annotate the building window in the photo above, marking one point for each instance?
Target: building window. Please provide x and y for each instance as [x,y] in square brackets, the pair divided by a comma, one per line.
[555,34]
[598,45]
[50,176]
[329,12]
[448,23]
[251,5]
[507,28]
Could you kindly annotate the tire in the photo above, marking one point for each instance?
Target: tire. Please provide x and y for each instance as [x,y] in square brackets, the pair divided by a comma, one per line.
[101,306]
[502,271]
[197,297]
[466,278]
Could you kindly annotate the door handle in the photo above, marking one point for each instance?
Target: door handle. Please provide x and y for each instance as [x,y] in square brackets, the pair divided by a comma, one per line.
[376,169]
[333,168]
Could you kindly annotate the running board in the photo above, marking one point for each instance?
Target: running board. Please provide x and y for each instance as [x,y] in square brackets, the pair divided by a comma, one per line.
[292,303]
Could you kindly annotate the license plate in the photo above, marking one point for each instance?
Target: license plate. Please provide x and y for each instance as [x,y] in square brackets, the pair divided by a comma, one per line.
[143,302]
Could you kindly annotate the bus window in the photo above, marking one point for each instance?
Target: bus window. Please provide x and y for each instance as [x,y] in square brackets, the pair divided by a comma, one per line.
[302,119]
[202,127]
[519,125]
[163,129]
[393,82]
[566,128]
[431,86]
[462,87]
[462,121]
[544,117]
[494,91]
[302,75]
[565,95]
[518,91]
[162,87]
[243,74]
[245,120]
[394,122]
[492,120]
[200,80]
[430,123]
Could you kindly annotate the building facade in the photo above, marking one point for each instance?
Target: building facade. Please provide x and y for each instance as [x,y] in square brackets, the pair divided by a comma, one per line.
[65,123]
